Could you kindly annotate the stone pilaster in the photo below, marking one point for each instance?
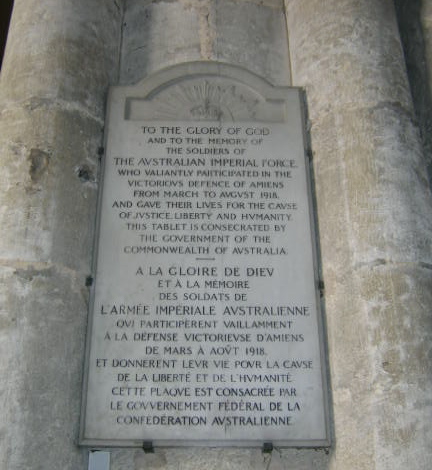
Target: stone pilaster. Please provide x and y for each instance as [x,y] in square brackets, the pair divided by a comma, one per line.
[60,59]
[426,20]
[415,26]
[247,33]
[374,210]
[426,117]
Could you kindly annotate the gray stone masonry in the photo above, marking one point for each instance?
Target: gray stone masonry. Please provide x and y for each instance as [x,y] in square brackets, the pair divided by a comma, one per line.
[373,199]
[374,212]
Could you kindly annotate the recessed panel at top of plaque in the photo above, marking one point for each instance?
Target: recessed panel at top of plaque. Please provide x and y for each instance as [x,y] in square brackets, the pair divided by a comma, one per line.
[205,327]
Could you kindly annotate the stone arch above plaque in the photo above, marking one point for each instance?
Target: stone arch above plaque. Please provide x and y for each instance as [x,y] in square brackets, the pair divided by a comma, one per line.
[203,91]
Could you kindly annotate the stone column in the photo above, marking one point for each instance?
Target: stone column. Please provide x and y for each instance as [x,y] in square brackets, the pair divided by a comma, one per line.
[247,33]
[426,20]
[415,26]
[375,222]
[426,119]
[61,57]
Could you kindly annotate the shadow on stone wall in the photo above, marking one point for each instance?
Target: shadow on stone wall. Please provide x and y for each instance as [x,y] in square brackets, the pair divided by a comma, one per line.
[412,35]
[5,14]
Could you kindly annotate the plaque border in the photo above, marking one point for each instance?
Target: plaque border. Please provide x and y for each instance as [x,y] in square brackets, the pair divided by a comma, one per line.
[151,85]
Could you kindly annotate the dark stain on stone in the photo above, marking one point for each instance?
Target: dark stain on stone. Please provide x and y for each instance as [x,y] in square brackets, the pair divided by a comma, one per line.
[397,108]
[101,151]
[372,264]
[425,265]
[37,103]
[16,149]
[30,273]
[7,322]
[39,161]
[414,43]
[379,262]
[85,174]
[118,6]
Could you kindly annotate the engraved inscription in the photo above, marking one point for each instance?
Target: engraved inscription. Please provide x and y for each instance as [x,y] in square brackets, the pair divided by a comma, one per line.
[205,323]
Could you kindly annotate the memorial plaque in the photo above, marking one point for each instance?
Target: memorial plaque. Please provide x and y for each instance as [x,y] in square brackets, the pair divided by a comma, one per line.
[205,326]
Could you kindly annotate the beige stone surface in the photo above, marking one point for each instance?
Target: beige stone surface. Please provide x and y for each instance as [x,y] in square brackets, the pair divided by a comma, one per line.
[50,184]
[426,18]
[374,212]
[426,117]
[42,331]
[415,21]
[248,33]
[60,59]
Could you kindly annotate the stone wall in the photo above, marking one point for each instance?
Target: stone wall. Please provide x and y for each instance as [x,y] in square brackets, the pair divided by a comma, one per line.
[251,34]
[373,198]
[415,26]
[61,58]
[374,210]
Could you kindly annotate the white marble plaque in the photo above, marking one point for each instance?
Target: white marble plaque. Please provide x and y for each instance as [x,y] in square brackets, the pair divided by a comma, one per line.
[205,326]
